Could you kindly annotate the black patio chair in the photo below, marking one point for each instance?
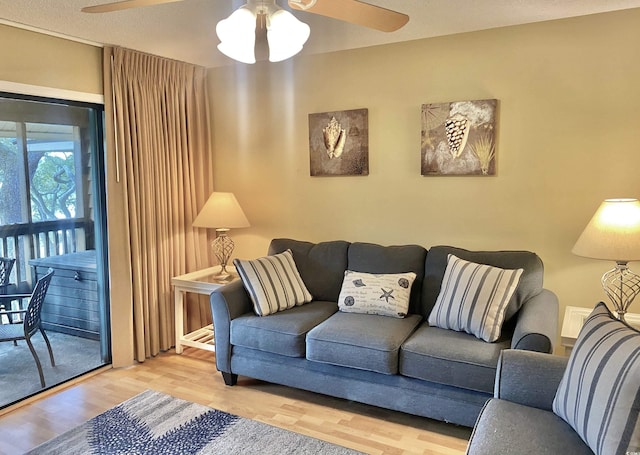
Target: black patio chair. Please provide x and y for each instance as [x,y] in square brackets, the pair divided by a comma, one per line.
[6,265]
[31,321]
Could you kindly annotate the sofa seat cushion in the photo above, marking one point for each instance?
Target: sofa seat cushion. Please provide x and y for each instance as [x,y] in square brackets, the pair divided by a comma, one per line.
[504,427]
[452,358]
[283,332]
[364,341]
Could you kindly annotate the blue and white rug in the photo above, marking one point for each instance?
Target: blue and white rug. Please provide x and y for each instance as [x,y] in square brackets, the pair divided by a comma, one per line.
[155,423]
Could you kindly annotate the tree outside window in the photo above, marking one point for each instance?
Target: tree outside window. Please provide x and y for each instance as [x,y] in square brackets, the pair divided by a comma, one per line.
[50,177]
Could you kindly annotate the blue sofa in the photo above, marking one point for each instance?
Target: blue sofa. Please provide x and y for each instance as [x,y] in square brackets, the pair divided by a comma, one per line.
[400,364]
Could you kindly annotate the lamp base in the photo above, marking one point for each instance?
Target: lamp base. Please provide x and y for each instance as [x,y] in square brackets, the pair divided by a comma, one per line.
[223,247]
[621,286]
[223,277]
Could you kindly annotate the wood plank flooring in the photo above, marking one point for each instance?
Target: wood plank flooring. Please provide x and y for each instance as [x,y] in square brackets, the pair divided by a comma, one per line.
[192,376]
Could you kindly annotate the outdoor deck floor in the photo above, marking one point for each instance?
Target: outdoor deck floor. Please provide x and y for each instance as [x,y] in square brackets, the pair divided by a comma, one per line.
[19,375]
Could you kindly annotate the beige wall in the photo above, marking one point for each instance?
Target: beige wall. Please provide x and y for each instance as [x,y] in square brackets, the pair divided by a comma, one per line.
[44,61]
[568,96]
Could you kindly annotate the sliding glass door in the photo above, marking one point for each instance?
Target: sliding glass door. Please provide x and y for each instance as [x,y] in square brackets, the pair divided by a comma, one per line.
[53,217]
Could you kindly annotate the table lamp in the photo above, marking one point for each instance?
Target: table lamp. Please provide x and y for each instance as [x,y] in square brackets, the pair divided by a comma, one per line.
[222,212]
[614,234]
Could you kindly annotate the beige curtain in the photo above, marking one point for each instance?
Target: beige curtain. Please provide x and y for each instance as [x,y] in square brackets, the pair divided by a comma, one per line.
[161,126]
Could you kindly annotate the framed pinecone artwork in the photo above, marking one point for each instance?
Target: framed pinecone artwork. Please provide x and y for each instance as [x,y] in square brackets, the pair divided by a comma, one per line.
[459,138]
[339,143]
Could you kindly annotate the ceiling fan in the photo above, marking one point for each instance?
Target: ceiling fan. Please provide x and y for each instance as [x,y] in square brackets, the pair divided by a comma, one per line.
[353,11]
[285,34]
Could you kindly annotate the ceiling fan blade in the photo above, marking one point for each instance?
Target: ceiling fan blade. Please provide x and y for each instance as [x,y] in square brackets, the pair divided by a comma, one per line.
[127,4]
[355,12]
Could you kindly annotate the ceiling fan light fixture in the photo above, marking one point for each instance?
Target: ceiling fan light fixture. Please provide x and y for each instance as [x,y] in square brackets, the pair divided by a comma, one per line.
[286,35]
[237,34]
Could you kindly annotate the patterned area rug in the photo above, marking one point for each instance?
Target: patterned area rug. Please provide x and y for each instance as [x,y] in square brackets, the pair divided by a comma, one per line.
[155,423]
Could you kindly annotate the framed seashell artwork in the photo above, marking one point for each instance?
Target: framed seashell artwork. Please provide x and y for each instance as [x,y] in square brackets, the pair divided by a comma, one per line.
[459,138]
[339,143]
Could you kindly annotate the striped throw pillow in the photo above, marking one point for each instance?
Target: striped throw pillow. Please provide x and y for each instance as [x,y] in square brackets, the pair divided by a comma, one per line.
[273,283]
[599,395]
[474,298]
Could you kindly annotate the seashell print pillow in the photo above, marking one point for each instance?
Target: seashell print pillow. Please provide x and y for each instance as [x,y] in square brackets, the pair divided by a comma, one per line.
[376,293]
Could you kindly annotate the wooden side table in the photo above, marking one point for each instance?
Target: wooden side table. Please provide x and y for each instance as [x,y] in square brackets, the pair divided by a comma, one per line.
[574,318]
[199,282]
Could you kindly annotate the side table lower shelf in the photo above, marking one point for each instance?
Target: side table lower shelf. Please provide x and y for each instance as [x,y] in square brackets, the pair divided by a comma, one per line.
[201,282]
[201,339]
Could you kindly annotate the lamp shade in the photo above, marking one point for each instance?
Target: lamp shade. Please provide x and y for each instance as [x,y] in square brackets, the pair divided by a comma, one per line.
[613,233]
[221,211]
[237,35]
[286,35]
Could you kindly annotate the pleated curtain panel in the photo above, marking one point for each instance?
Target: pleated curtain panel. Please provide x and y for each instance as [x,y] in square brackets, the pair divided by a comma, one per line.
[161,126]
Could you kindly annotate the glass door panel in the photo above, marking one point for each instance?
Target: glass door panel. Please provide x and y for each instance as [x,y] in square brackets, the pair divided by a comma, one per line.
[52,217]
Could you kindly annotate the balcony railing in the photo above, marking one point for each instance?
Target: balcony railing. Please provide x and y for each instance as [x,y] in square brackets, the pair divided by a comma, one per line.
[43,239]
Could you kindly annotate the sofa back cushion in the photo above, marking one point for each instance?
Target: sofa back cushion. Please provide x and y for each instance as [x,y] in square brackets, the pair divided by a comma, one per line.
[372,258]
[321,265]
[530,282]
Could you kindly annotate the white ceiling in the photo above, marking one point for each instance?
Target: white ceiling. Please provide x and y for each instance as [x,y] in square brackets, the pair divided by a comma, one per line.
[186,30]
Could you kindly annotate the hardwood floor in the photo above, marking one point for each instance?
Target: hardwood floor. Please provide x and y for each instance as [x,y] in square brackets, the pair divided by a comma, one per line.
[192,376]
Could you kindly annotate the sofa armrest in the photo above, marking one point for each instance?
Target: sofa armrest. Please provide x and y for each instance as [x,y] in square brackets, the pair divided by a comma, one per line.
[529,378]
[537,325]
[227,303]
